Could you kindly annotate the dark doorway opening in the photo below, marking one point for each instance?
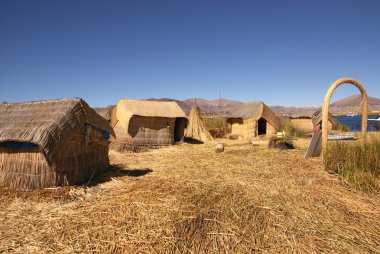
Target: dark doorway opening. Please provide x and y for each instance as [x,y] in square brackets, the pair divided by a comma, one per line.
[262,127]
[179,129]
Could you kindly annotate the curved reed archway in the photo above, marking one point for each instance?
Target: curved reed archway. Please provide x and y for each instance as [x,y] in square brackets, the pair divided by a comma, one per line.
[326,104]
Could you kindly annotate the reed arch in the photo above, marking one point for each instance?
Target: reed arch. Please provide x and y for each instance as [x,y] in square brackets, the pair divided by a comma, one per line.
[326,104]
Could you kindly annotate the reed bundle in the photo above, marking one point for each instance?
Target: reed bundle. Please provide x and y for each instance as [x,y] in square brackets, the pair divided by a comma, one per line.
[196,129]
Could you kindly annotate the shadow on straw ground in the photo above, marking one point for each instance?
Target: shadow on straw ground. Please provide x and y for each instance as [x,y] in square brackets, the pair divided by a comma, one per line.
[117,171]
[63,193]
[193,141]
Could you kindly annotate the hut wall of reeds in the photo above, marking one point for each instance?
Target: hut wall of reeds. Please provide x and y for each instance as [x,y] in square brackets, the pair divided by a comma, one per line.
[147,123]
[308,122]
[302,123]
[51,143]
[242,127]
[253,119]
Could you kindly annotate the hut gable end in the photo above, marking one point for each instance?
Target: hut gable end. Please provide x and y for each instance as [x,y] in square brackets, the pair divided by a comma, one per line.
[256,110]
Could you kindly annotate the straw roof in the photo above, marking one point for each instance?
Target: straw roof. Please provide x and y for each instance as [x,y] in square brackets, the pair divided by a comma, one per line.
[152,108]
[126,109]
[256,110]
[316,117]
[196,128]
[47,124]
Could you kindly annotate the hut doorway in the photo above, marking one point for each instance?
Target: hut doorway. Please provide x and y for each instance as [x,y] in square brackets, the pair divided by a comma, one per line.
[179,129]
[261,127]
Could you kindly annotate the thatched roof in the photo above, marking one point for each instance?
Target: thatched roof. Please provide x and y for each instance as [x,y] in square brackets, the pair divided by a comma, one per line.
[126,109]
[256,110]
[151,108]
[316,117]
[47,124]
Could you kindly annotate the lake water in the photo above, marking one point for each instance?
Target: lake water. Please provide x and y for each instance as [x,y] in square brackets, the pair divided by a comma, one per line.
[354,123]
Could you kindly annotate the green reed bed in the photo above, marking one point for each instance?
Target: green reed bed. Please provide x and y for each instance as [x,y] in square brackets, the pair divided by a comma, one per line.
[356,163]
[291,129]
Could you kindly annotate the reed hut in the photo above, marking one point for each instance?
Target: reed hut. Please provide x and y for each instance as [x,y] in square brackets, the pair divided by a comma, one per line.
[308,123]
[147,123]
[253,119]
[51,143]
[196,129]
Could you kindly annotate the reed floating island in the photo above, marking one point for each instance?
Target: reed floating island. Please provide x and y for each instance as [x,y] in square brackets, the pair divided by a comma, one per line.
[51,143]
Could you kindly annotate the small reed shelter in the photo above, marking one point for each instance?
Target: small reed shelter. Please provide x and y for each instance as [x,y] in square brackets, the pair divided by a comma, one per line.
[196,130]
[308,123]
[147,123]
[51,143]
[253,119]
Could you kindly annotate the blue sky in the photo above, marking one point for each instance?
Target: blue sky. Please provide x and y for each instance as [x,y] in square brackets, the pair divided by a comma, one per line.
[281,52]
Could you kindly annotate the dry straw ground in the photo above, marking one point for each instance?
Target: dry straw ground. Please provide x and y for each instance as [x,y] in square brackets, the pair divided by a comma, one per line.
[188,199]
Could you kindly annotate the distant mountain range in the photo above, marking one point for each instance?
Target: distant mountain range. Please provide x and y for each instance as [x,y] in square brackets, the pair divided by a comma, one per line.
[212,107]
[225,106]
[340,107]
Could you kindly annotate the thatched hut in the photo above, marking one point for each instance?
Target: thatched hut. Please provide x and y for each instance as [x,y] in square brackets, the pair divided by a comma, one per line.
[308,123]
[253,119]
[51,143]
[147,123]
[196,129]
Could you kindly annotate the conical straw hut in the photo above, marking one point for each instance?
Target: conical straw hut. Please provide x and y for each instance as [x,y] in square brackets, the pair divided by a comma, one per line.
[196,128]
